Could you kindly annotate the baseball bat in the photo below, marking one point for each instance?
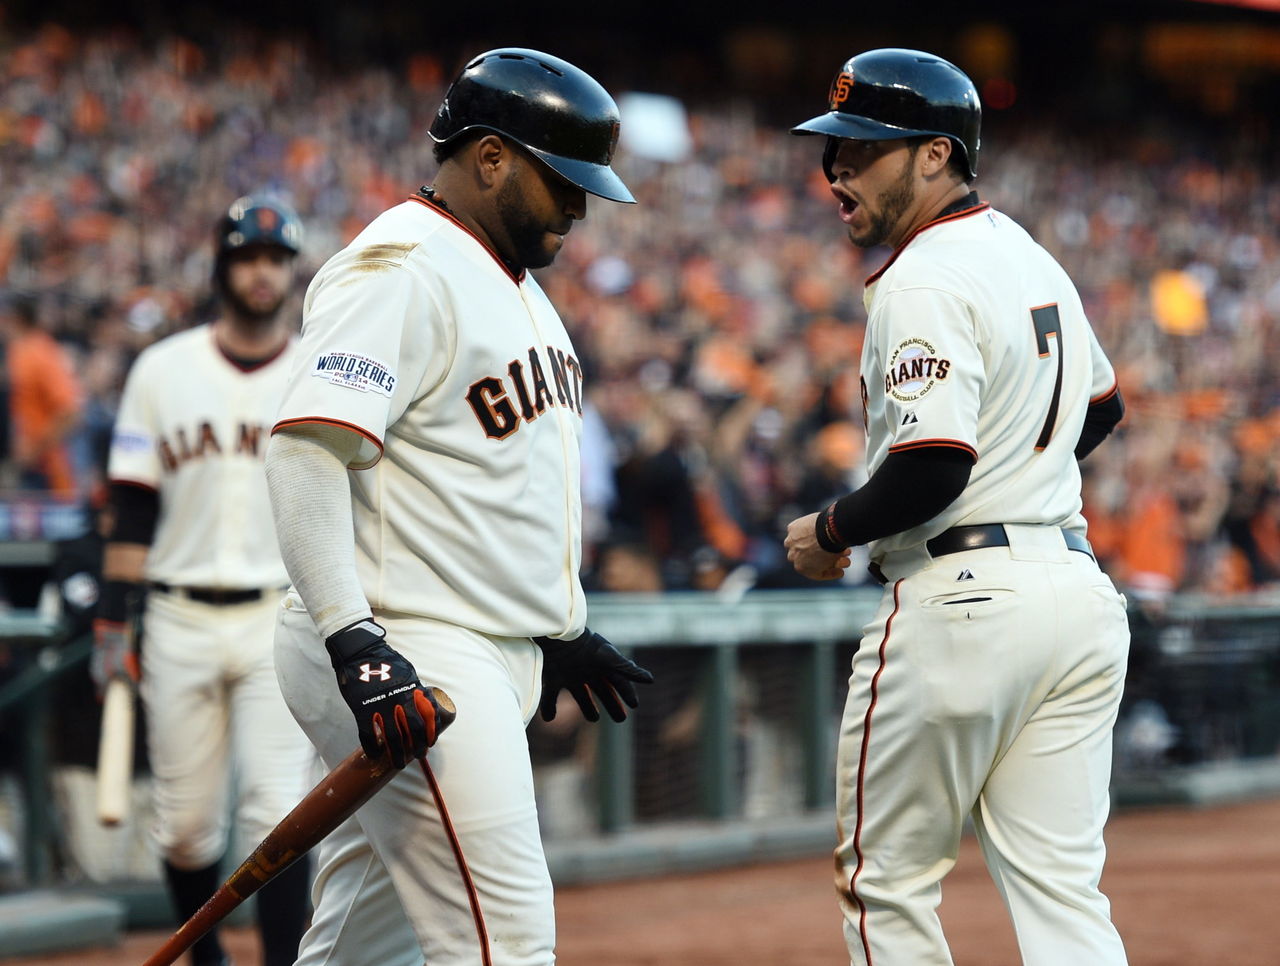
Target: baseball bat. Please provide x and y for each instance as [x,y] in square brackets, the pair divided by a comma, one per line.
[353,782]
[115,752]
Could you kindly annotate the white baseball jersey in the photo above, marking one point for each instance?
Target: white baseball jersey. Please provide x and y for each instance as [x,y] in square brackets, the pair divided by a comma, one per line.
[193,426]
[976,339]
[987,685]
[464,384]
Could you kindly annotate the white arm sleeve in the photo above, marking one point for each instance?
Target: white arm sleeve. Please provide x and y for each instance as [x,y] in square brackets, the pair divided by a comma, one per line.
[311,500]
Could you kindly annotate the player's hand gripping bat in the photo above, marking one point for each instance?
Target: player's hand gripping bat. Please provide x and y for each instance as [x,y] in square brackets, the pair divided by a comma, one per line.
[356,779]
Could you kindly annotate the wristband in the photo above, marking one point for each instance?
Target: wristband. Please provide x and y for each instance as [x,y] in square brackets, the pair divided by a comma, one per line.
[118,600]
[829,538]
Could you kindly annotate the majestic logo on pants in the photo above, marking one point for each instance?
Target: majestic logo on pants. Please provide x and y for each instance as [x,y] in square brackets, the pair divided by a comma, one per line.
[367,672]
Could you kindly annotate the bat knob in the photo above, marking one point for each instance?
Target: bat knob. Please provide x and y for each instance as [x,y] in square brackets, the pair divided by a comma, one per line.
[447,712]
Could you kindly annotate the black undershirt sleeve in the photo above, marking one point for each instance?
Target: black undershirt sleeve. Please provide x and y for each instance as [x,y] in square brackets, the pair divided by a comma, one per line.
[909,488]
[1099,420]
[136,510]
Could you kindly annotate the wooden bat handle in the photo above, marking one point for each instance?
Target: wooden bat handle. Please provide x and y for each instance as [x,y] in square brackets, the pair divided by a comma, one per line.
[115,752]
[324,808]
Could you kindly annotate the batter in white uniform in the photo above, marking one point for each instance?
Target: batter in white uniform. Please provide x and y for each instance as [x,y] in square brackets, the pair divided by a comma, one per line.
[989,681]
[425,477]
[193,526]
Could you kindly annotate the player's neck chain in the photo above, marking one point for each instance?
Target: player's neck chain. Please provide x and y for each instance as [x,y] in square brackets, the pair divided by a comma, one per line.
[430,194]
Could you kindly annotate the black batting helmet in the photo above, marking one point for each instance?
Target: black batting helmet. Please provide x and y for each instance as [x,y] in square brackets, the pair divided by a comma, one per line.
[552,109]
[254,220]
[894,93]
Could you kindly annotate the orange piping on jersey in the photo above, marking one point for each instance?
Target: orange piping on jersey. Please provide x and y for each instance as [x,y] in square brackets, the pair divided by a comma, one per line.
[492,254]
[473,897]
[927,225]
[862,774]
[322,421]
[1103,397]
[115,480]
[925,443]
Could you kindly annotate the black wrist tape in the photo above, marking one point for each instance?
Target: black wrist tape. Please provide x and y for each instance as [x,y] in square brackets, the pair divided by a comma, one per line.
[828,533]
[119,600]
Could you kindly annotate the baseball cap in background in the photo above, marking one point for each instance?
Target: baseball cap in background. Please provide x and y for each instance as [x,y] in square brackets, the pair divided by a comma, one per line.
[554,110]
[257,220]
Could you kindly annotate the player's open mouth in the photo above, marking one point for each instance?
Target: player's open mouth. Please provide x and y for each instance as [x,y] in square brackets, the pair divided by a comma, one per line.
[847,205]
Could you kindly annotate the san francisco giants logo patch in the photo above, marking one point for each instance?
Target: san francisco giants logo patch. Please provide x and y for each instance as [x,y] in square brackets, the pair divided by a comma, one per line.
[368,672]
[914,369]
[840,88]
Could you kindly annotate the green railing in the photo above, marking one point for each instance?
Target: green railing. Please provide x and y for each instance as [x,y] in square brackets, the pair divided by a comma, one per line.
[1212,670]
[812,622]
[25,709]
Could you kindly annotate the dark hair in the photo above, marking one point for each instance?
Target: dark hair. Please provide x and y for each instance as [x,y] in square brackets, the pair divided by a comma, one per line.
[443,152]
[955,161]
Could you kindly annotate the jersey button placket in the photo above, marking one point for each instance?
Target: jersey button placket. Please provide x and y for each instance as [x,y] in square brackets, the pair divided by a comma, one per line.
[561,416]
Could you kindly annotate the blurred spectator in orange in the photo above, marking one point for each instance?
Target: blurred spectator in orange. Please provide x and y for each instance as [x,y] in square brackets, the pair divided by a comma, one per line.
[44,402]
[1152,551]
[656,494]
[1252,519]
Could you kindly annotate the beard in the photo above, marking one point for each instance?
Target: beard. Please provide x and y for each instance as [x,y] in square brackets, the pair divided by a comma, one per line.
[891,203]
[258,315]
[527,234]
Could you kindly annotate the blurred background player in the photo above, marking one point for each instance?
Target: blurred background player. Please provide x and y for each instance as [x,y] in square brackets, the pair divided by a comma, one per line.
[193,536]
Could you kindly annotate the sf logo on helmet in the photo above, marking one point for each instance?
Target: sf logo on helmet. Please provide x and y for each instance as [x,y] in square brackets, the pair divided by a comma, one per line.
[368,672]
[840,89]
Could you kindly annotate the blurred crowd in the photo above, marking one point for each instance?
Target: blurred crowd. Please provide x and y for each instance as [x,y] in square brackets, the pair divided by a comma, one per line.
[719,321]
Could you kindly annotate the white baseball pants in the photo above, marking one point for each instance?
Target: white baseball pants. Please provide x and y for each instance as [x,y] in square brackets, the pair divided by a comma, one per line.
[987,686]
[213,704]
[389,889]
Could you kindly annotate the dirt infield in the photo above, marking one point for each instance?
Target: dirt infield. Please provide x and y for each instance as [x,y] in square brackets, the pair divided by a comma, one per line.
[1187,886]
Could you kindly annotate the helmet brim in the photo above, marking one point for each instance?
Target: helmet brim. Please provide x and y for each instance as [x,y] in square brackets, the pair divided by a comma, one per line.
[837,125]
[597,179]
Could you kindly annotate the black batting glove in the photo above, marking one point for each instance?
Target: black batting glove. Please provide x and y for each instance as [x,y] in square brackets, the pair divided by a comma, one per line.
[390,704]
[589,666]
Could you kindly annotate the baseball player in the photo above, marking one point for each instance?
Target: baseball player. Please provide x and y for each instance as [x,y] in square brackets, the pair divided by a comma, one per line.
[193,529]
[425,477]
[988,683]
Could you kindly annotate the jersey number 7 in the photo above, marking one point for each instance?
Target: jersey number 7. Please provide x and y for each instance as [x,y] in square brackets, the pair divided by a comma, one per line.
[1048,323]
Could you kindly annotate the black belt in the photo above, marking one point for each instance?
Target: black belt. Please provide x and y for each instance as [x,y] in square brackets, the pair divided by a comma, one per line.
[211,595]
[976,538]
[989,535]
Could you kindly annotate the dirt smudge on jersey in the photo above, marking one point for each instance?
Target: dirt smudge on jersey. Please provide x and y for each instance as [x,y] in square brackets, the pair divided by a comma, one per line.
[375,259]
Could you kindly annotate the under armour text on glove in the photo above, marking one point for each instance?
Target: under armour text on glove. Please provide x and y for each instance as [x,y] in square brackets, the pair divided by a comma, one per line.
[381,687]
[586,666]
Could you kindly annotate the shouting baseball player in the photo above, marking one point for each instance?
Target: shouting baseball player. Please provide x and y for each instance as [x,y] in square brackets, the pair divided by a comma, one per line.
[193,529]
[424,473]
[988,683]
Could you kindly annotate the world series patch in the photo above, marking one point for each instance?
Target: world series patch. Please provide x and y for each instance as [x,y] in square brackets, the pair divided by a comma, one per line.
[914,369]
[130,441]
[351,370]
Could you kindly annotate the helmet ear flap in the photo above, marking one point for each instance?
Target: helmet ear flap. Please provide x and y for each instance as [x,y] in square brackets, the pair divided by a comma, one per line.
[829,157]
